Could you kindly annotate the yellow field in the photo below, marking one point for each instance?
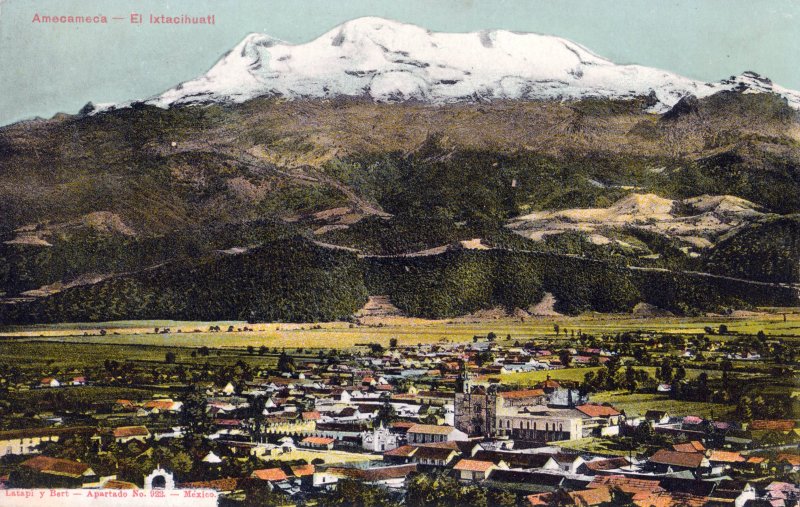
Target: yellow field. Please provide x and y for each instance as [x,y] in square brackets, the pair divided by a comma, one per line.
[330,457]
[406,331]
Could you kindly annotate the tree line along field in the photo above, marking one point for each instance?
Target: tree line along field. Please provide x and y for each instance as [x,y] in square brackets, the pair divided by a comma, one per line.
[406,331]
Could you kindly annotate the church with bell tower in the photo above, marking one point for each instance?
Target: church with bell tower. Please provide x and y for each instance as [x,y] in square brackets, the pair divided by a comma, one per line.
[475,406]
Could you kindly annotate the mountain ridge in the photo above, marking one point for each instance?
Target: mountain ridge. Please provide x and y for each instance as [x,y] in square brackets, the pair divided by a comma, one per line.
[390,61]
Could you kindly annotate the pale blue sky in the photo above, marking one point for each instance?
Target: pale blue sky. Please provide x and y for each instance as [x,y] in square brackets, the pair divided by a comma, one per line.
[49,68]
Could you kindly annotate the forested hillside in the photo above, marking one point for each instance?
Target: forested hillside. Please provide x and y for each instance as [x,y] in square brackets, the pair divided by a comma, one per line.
[147,212]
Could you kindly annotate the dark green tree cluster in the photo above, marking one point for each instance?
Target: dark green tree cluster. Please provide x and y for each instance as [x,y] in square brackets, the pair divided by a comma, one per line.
[443,491]
[768,251]
[290,280]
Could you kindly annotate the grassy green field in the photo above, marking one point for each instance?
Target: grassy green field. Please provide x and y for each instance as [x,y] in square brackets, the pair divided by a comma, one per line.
[600,446]
[577,374]
[58,357]
[640,403]
[406,331]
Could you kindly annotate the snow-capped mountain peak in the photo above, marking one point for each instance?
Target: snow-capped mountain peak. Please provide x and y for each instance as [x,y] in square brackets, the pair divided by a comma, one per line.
[392,61]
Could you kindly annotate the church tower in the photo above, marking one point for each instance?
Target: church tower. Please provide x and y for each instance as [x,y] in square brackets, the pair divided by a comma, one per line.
[475,406]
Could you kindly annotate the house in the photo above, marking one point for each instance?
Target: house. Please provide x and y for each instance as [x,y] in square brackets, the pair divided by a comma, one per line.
[402,454]
[302,470]
[739,491]
[322,480]
[470,470]
[723,460]
[388,476]
[49,382]
[269,474]
[779,425]
[692,488]
[601,420]
[125,434]
[584,497]
[434,456]
[27,441]
[524,481]
[312,415]
[664,461]
[527,460]
[318,442]
[756,463]
[692,421]
[57,472]
[78,381]
[125,405]
[429,433]
[779,492]
[591,497]
[788,462]
[162,405]
[603,465]
[657,416]
[569,463]
[641,487]
[693,446]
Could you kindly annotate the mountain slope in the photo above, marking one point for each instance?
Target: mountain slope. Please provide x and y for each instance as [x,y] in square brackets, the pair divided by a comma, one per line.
[102,213]
[391,61]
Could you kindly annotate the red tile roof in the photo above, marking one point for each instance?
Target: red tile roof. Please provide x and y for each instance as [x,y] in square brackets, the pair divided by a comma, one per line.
[402,424]
[726,457]
[598,410]
[607,464]
[434,453]
[525,393]
[792,459]
[549,384]
[773,425]
[159,404]
[131,431]
[626,484]
[473,465]
[670,500]
[228,422]
[318,440]
[594,496]
[405,451]
[693,446]
[674,458]
[269,474]
[57,466]
[431,429]
[302,470]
